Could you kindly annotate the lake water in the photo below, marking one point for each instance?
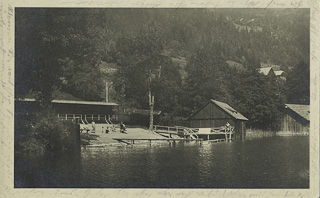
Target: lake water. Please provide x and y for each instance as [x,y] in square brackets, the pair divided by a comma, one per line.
[273,162]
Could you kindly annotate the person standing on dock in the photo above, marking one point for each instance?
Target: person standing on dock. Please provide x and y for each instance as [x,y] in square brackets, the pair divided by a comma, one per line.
[107,130]
[227,127]
[93,127]
[122,127]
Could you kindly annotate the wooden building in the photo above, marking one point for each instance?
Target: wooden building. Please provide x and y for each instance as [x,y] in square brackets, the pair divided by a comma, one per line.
[217,114]
[296,119]
[88,111]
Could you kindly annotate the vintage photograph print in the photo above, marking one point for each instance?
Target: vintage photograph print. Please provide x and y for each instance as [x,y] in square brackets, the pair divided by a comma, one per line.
[162,98]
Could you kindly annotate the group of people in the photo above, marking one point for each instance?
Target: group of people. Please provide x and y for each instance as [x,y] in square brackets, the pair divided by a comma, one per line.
[107,130]
[122,128]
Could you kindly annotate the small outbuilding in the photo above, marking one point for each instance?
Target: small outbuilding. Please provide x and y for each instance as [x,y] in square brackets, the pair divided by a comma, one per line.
[217,114]
[296,119]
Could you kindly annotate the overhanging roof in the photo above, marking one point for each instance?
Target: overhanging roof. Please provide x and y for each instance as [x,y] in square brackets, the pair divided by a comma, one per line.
[84,102]
[301,110]
[74,102]
[231,111]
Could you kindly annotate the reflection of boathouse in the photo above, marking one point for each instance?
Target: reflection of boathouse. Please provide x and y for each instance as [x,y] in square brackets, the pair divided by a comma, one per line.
[216,114]
[296,119]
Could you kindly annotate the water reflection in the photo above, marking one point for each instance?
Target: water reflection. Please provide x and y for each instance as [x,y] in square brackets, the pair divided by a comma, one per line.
[47,170]
[273,162]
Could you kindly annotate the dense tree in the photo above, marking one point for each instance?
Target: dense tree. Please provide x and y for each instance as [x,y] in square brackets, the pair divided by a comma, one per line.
[207,77]
[298,84]
[145,73]
[37,66]
[152,50]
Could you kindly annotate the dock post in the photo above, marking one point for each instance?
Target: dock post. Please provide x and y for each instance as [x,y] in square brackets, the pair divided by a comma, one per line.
[208,137]
[225,133]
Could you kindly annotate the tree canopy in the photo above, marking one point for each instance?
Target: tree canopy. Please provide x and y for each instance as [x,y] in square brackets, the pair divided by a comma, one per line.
[180,55]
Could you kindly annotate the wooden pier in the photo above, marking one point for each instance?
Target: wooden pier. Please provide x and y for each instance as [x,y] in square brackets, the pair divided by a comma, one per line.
[184,134]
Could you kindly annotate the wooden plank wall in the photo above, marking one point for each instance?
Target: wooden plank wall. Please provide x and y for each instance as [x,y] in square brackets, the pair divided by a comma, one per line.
[211,116]
[82,109]
[289,124]
[210,123]
[211,111]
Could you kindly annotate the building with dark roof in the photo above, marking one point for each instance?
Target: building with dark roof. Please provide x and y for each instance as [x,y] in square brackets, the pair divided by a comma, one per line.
[296,119]
[87,111]
[217,114]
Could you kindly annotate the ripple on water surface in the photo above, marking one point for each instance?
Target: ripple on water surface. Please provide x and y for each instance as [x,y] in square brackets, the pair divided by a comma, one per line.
[273,162]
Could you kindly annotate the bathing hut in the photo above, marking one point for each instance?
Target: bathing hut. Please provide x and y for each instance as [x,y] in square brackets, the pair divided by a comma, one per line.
[87,111]
[217,114]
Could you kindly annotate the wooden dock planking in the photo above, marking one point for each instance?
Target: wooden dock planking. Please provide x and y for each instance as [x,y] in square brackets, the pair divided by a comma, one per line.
[156,139]
[128,140]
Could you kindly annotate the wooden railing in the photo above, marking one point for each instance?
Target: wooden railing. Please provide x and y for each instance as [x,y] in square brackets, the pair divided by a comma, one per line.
[168,128]
[192,132]
[85,117]
[178,130]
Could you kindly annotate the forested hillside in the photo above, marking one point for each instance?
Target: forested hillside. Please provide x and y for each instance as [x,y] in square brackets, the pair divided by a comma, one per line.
[178,55]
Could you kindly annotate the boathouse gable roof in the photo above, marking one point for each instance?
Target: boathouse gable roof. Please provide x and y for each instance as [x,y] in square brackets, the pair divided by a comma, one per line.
[231,111]
[301,110]
[224,107]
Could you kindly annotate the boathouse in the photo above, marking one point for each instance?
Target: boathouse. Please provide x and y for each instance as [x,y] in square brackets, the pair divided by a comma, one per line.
[217,114]
[87,111]
[296,119]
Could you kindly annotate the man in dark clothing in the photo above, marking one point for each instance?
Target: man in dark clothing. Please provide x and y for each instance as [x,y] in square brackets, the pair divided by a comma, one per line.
[122,128]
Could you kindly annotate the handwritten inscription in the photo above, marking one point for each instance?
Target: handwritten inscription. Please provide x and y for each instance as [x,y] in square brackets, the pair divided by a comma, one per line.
[296,4]
[7,87]
[6,67]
